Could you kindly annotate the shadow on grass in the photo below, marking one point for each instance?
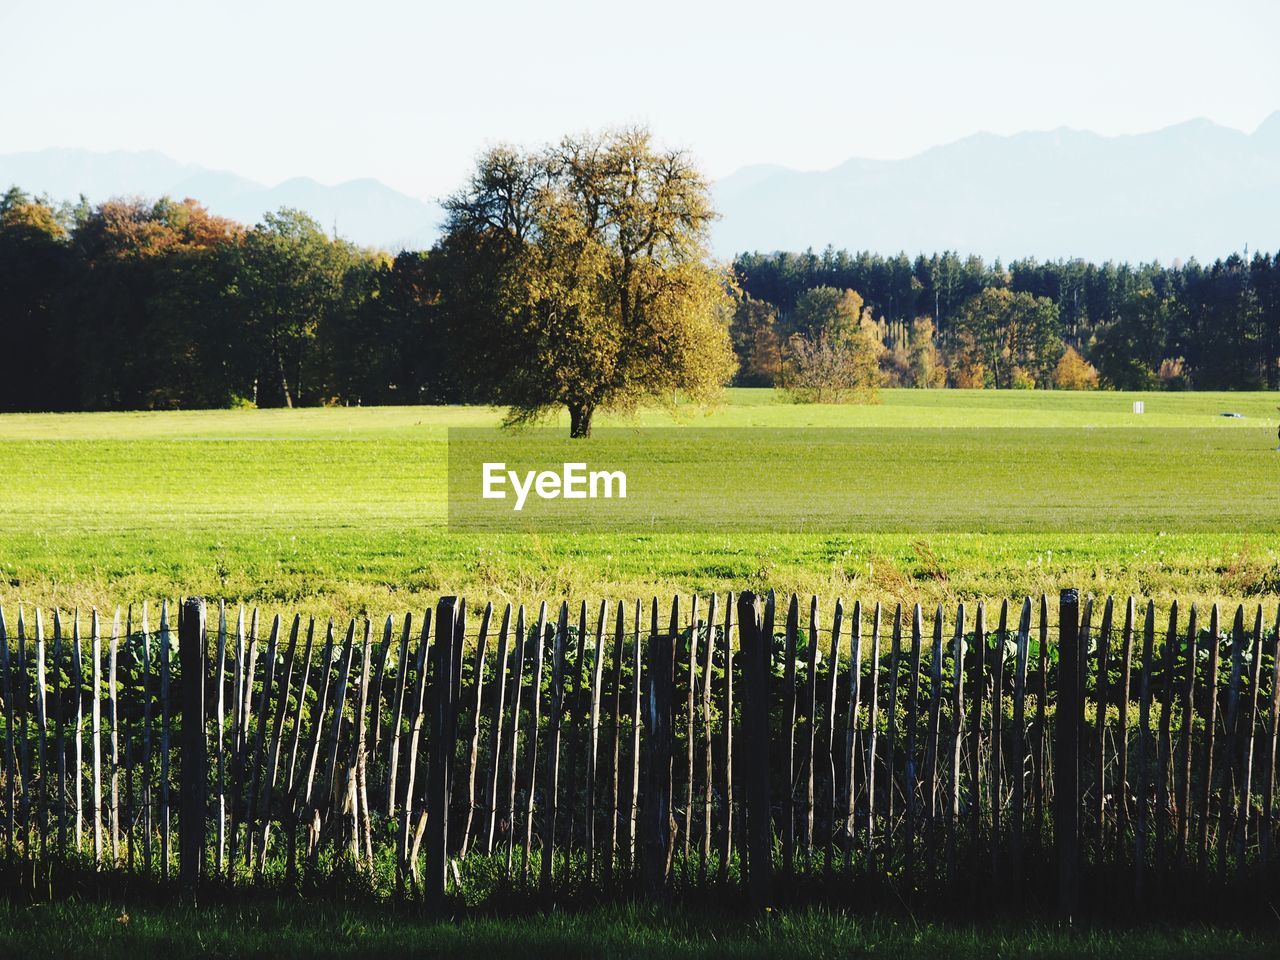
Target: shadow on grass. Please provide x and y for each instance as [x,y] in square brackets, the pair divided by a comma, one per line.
[291,927]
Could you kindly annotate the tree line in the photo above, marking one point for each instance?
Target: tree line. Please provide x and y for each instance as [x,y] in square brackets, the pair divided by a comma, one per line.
[133,304]
[948,320]
[576,276]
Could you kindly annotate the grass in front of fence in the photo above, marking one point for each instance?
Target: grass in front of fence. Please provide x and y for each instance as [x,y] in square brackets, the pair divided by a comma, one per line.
[344,509]
[281,929]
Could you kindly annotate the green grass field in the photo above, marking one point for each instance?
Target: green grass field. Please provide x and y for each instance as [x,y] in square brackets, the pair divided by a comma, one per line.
[343,510]
[292,928]
[340,511]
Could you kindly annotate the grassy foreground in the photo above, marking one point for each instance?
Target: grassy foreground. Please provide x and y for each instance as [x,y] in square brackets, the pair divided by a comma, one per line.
[343,511]
[296,929]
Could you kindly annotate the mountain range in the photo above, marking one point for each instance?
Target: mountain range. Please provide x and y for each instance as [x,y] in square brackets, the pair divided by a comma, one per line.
[364,211]
[1195,189]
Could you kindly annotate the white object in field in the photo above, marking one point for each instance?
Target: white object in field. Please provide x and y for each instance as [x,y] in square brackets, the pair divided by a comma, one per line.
[1139,406]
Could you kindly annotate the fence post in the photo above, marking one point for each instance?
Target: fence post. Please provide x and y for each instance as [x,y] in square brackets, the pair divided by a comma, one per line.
[659,703]
[551,783]
[195,761]
[1066,826]
[443,718]
[754,649]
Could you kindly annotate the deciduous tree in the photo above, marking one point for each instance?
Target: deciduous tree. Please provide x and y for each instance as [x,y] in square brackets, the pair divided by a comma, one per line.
[1015,335]
[588,281]
[290,278]
[828,369]
[756,343]
[1074,372]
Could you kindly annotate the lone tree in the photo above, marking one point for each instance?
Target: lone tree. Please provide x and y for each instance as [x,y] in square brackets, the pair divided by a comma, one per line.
[580,278]
[834,353]
[828,369]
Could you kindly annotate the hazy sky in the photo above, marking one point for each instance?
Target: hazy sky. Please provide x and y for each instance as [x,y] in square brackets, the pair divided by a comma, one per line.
[408,92]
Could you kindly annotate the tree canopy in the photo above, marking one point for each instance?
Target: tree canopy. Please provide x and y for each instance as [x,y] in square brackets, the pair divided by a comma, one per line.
[577,276]
[1014,338]
[1142,326]
[600,291]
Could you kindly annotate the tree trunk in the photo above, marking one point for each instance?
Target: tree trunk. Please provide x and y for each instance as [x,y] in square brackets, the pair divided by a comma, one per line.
[284,383]
[580,420]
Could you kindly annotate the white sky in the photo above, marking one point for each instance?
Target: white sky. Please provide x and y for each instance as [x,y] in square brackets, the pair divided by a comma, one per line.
[409,92]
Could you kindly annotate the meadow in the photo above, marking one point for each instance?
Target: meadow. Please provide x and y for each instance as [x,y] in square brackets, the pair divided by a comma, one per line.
[343,510]
[280,929]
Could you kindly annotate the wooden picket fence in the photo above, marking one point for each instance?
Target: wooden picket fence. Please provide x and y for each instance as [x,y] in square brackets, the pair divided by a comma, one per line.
[728,743]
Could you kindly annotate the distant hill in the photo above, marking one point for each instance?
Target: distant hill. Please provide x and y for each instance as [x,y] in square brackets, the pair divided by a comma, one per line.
[364,211]
[1195,189]
[1192,190]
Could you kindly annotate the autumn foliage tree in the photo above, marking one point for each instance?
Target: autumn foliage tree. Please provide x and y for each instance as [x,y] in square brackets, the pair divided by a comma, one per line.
[927,368]
[143,304]
[830,310]
[754,333]
[1074,372]
[575,276]
[588,281]
[835,369]
[1015,338]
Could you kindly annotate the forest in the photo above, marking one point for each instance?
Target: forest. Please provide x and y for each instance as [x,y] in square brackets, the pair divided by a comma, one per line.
[139,304]
[1143,327]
